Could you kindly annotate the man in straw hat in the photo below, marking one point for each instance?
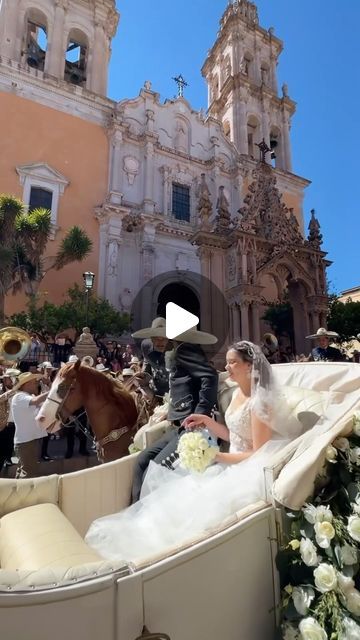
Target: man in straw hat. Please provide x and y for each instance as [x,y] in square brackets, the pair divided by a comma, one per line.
[193,389]
[28,434]
[323,351]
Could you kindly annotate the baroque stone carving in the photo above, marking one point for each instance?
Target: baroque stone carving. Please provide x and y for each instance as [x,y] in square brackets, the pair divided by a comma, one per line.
[112,269]
[204,206]
[222,222]
[131,168]
[314,237]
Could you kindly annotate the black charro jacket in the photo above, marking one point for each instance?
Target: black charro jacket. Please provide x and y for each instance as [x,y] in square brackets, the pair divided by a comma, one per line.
[193,383]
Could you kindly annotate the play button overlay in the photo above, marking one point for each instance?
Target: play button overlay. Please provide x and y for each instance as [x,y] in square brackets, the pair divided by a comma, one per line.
[178,320]
[185,299]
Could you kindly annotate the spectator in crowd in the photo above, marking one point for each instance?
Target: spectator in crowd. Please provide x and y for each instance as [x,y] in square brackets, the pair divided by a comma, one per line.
[25,404]
[7,427]
[323,351]
[126,357]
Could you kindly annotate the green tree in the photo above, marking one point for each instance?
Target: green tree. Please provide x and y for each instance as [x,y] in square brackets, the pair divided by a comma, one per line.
[344,318]
[103,318]
[23,239]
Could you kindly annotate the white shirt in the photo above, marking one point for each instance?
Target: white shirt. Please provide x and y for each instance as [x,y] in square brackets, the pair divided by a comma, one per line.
[24,414]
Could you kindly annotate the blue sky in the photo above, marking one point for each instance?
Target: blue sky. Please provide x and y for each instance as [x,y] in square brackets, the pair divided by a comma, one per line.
[157,39]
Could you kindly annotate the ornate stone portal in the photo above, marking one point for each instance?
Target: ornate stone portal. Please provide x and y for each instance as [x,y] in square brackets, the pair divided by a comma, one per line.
[267,258]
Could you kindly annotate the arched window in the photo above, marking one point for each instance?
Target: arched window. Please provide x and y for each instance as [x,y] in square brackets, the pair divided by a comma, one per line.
[35,39]
[76,58]
[253,132]
[276,148]
[265,73]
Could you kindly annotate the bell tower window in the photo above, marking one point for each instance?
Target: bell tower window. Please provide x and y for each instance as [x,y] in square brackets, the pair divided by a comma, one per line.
[36,41]
[76,59]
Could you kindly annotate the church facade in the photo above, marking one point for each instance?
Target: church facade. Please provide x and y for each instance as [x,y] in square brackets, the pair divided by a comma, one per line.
[159,187]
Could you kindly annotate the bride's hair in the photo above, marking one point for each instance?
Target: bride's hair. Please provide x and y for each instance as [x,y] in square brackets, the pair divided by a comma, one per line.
[251,353]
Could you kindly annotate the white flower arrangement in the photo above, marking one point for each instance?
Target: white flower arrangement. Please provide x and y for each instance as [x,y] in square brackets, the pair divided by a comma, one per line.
[196,450]
[319,565]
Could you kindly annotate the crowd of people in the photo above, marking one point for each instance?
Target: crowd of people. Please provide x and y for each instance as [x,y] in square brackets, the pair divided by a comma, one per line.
[146,376]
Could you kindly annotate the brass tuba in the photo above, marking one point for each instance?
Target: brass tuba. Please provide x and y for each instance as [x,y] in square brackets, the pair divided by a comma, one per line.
[14,343]
[269,345]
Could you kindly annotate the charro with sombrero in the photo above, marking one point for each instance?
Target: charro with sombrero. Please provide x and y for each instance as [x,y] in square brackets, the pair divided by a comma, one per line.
[323,351]
[193,389]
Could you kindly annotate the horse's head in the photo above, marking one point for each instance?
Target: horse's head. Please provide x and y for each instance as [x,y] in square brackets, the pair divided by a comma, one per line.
[63,399]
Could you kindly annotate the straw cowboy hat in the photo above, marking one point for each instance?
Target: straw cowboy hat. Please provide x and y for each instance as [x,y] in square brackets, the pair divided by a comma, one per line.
[101,367]
[134,360]
[45,365]
[323,333]
[158,330]
[24,378]
[10,373]
[128,372]
[73,358]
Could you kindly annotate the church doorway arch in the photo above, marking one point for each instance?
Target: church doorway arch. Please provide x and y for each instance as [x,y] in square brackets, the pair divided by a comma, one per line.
[180,294]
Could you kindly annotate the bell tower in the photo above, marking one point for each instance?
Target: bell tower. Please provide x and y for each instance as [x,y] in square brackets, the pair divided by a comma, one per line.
[241,73]
[69,40]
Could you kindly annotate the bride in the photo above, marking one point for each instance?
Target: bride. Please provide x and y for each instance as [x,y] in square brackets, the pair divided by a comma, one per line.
[176,505]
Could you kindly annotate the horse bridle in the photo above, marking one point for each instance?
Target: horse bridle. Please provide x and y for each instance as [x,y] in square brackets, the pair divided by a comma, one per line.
[64,390]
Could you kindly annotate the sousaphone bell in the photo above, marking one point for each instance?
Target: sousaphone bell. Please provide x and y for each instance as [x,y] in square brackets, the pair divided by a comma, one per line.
[14,343]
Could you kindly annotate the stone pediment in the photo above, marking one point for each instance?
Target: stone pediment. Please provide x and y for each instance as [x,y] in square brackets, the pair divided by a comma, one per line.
[42,172]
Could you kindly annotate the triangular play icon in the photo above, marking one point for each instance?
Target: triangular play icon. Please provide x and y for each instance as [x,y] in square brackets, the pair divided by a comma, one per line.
[178,320]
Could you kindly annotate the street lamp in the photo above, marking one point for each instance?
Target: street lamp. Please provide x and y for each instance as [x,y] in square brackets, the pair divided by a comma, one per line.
[88,278]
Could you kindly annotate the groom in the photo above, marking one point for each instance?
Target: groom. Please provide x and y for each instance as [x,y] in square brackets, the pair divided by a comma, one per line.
[193,389]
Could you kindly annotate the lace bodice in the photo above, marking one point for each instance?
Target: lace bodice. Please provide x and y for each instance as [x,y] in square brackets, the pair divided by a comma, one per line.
[238,421]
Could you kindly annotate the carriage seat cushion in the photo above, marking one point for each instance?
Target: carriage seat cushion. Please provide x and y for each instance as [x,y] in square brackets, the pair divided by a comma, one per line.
[41,537]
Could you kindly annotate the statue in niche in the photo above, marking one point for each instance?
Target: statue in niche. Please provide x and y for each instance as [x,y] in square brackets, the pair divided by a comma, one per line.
[113,259]
[181,142]
[204,207]
[223,213]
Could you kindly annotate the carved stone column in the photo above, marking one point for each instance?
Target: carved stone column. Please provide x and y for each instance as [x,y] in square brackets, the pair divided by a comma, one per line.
[166,171]
[242,143]
[235,314]
[204,254]
[149,178]
[55,55]
[244,267]
[97,74]
[256,323]
[245,332]
[287,143]
[9,35]
[116,169]
[265,126]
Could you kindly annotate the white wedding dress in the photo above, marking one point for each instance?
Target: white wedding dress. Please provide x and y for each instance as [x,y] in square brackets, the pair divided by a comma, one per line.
[175,505]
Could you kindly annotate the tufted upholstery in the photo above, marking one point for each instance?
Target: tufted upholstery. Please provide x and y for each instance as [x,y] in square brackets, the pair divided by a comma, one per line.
[17,494]
[305,405]
[41,537]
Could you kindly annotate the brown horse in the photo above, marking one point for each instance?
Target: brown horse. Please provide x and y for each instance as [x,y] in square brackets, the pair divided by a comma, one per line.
[110,408]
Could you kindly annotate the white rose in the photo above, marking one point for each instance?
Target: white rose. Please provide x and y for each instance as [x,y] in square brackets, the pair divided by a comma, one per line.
[324,533]
[311,630]
[348,554]
[351,630]
[325,577]
[353,601]
[310,513]
[345,583]
[331,454]
[323,514]
[355,455]
[308,553]
[342,444]
[302,598]
[354,527]
[356,423]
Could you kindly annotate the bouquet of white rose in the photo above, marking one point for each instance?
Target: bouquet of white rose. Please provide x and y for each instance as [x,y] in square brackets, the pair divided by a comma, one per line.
[197,450]
[319,565]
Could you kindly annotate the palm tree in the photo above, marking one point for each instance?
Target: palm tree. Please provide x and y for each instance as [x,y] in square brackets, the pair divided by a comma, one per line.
[23,239]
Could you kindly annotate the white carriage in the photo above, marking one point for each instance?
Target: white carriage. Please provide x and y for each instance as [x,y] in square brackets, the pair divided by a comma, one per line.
[223,585]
